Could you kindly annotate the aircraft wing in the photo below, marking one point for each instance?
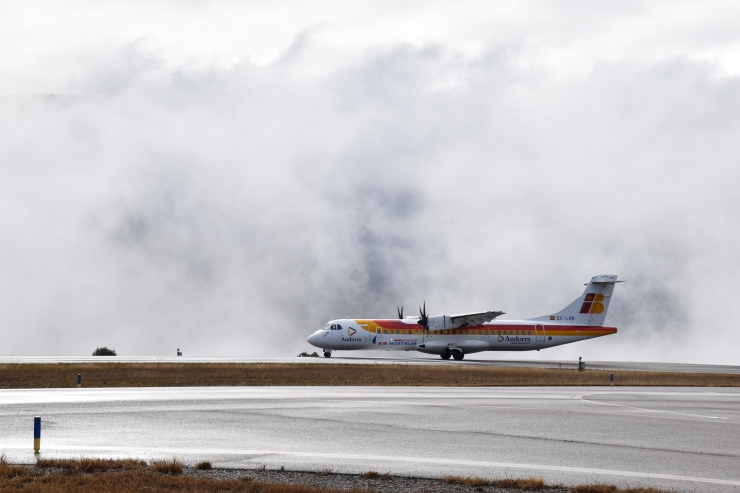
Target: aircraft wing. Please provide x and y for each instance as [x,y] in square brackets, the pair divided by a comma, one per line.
[475,318]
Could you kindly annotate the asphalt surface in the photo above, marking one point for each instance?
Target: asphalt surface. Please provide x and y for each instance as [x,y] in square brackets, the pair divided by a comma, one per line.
[396,358]
[682,438]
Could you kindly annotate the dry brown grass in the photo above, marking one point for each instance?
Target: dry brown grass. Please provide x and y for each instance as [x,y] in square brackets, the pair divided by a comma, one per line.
[608,488]
[474,482]
[18,376]
[376,475]
[26,480]
[524,484]
[172,466]
[124,476]
[90,465]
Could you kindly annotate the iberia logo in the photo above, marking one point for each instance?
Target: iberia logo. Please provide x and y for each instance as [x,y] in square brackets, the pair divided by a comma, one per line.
[592,304]
[351,331]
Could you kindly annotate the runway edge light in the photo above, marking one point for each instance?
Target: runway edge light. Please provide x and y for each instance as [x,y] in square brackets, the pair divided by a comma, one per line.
[36,434]
[79,380]
[611,379]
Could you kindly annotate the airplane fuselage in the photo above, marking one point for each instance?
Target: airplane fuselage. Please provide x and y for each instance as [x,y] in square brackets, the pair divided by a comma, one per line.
[404,335]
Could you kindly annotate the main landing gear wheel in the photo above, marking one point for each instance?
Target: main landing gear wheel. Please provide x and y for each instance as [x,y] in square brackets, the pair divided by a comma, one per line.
[458,355]
[327,355]
[446,354]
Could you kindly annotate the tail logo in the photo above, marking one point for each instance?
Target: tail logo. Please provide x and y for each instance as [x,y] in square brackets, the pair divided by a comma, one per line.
[592,304]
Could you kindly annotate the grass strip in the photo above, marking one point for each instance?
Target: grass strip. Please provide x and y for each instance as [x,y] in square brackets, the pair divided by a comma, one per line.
[61,375]
[104,476]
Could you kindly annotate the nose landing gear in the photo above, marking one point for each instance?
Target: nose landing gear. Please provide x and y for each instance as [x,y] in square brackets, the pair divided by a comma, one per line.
[327,353]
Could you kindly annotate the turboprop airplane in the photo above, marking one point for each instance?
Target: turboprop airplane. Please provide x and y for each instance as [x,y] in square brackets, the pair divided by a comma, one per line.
[457,335]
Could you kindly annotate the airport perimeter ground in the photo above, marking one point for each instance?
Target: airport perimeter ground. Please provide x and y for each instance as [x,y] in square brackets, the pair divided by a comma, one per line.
[681,432]
[189,374]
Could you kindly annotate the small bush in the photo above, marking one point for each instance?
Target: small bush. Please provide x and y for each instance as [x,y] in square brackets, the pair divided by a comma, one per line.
[371,475]
[323,472]
[203,466]
[104,351]
[172,466]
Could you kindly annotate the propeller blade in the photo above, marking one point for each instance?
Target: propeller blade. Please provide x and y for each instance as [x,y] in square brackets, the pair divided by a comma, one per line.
[423,320]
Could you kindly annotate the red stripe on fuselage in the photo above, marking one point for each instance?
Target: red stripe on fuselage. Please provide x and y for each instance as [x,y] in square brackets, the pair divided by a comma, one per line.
[553,329]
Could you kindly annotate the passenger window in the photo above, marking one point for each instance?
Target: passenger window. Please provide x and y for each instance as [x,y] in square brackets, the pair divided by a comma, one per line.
[398,331]
[385,331]
[529,332]
[403,332]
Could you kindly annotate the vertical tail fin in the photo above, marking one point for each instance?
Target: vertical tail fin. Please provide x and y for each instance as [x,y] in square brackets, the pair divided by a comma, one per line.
[591,307]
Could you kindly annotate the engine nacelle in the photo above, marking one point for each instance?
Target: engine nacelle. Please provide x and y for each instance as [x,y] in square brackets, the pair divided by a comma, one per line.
[443,322]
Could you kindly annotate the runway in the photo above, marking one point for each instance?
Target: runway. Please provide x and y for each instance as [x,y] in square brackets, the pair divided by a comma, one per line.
[349,357]
[682,438]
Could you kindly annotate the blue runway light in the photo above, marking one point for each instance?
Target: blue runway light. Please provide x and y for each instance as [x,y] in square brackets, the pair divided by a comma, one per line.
[611,379]
[79,380]
[36,434]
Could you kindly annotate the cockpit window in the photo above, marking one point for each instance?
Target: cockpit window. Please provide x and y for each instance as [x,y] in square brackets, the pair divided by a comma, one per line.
[327,326]
[339,327]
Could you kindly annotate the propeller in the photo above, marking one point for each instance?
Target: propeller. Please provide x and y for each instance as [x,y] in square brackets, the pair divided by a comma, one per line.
[423,319]
[400,311]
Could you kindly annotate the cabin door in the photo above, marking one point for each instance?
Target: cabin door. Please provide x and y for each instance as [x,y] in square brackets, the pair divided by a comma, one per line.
[539,331]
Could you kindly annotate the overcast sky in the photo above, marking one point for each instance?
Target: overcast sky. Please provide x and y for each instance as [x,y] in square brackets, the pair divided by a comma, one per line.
[225,177]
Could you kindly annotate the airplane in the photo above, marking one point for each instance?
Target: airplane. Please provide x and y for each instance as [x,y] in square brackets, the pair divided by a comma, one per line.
[457,335]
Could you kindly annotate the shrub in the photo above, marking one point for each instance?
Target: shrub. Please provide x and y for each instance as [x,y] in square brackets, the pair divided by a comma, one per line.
[172,466]
[203,466]
[104,351]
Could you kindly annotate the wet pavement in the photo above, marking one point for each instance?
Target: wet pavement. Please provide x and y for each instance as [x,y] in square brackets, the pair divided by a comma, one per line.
[681,438]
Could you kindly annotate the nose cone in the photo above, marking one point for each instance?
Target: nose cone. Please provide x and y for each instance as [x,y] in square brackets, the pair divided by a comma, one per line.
[313,339]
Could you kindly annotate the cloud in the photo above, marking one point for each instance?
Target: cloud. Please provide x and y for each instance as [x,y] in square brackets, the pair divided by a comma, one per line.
[232,211]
